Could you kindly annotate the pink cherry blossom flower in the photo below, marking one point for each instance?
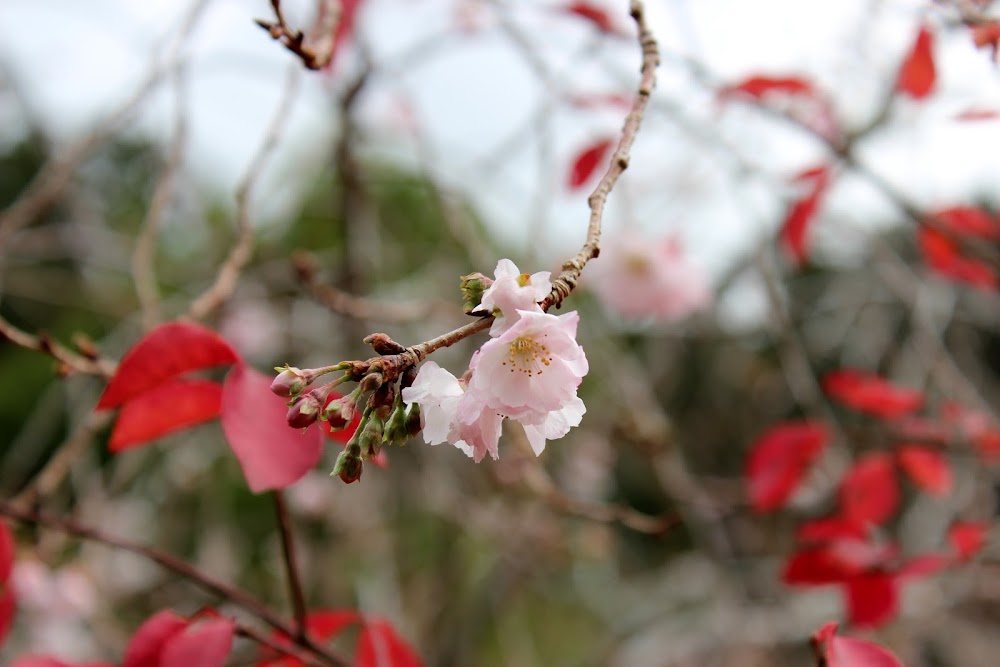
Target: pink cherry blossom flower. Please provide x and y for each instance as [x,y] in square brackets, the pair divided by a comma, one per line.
[638,279]
[532,369]
[555,424]
[513,291]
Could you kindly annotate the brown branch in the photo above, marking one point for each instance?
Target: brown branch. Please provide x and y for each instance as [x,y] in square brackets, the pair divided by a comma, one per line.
[177,565]
[239,255]
[316,50]
[69,361]
[291,563]
[566,281]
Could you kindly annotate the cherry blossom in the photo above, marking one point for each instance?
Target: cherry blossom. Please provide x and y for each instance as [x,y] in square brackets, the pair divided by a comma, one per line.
[513,291]
[642,280]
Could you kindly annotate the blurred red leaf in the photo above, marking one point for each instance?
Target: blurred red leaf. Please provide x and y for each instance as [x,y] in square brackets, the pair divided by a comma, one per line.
[828,529]
[174,405]
[967,538]
[924,566]
[869,492]
[164,353]
[272,454]
[917,73]
[927,467]
[8,605]
[345,26]
[321,626]
[594,14]
[146,644]
[203,645]
[796,225]
[869,393]
[968,221]
[872,599]
[941,253]
[836,651]
[7,551]
[48,661]
[759,86]
[977,115]
[987,35]
[816,566]
[587,161]
[380,646]
[778,459]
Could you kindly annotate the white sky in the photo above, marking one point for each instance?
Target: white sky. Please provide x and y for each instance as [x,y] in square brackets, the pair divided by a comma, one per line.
[75,61]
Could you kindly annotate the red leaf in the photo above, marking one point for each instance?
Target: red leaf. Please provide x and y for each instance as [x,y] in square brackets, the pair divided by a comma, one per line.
[759,86]
[828,529]
[7,551]
[917,74]
[47,661]
[164,353]
[796,225]
[174,405]
[968,221]
[146,645]
[345,26]
[869,492]
[321,626]
[986,34]
[927,467]
[380,646]
[587,161]
[850,652]
[924,566]
[778,460]
[204,645]
[8,605]
[872,599]
[272,454]
[871,394]
[594,14]
[815,566]
[967,538]
[942,255]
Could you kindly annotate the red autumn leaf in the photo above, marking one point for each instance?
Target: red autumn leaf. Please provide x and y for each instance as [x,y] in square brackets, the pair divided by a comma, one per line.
[796,225]
[7,551]
[380,646]
[987,34]
[917,74]
[967,538]
[587,162]
[968,221]
[869,492]
[922,429]
[272,454]
[871,394]
[924,565]
[815,566]
[778,460]
[837,651]
[321,626]
[48,661]
[8,605]
[759,86]
[597,16]
[927,467]
[203,645]
[146,645]
[943,256]
[172,406]
[164,353]
[828,529]
[872,599]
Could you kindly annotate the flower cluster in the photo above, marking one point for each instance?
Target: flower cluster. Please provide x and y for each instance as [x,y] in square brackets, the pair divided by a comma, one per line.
[529,371]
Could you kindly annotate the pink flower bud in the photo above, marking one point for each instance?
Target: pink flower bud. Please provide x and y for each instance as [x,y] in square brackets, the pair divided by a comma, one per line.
[304,411]
[348,467]
[289,383]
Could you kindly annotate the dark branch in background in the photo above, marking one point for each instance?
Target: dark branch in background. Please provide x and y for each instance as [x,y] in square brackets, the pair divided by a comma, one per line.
[291,563]
[86,363]
[177,565]
[316,50]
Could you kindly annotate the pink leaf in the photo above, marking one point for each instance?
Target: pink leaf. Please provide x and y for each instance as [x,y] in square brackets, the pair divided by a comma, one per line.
[204,645]
[917,73]
[345,25]
[869,492]
[872,599]
[927,467]
[801,214]
[147,643]
[871,394]
[272,454]
[778,460]
[164,353]
[836,651]
[380,646]
[172,406]
[976,115]
[587,161]
[967,538]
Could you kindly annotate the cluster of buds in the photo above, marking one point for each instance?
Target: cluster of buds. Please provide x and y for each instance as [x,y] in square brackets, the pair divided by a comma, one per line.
[377,398]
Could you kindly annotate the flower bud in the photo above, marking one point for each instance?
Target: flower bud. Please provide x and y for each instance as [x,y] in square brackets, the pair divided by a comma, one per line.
[289,383]
[371,437]
[348,467]
[395,427]
[382,344]
[304,411]
[413,424]
[370,382]
[333,413]
[473,286]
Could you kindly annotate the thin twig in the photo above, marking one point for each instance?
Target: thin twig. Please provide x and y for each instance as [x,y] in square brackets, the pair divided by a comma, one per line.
[170,562]
[291,563]
[70,362]
[239,255]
